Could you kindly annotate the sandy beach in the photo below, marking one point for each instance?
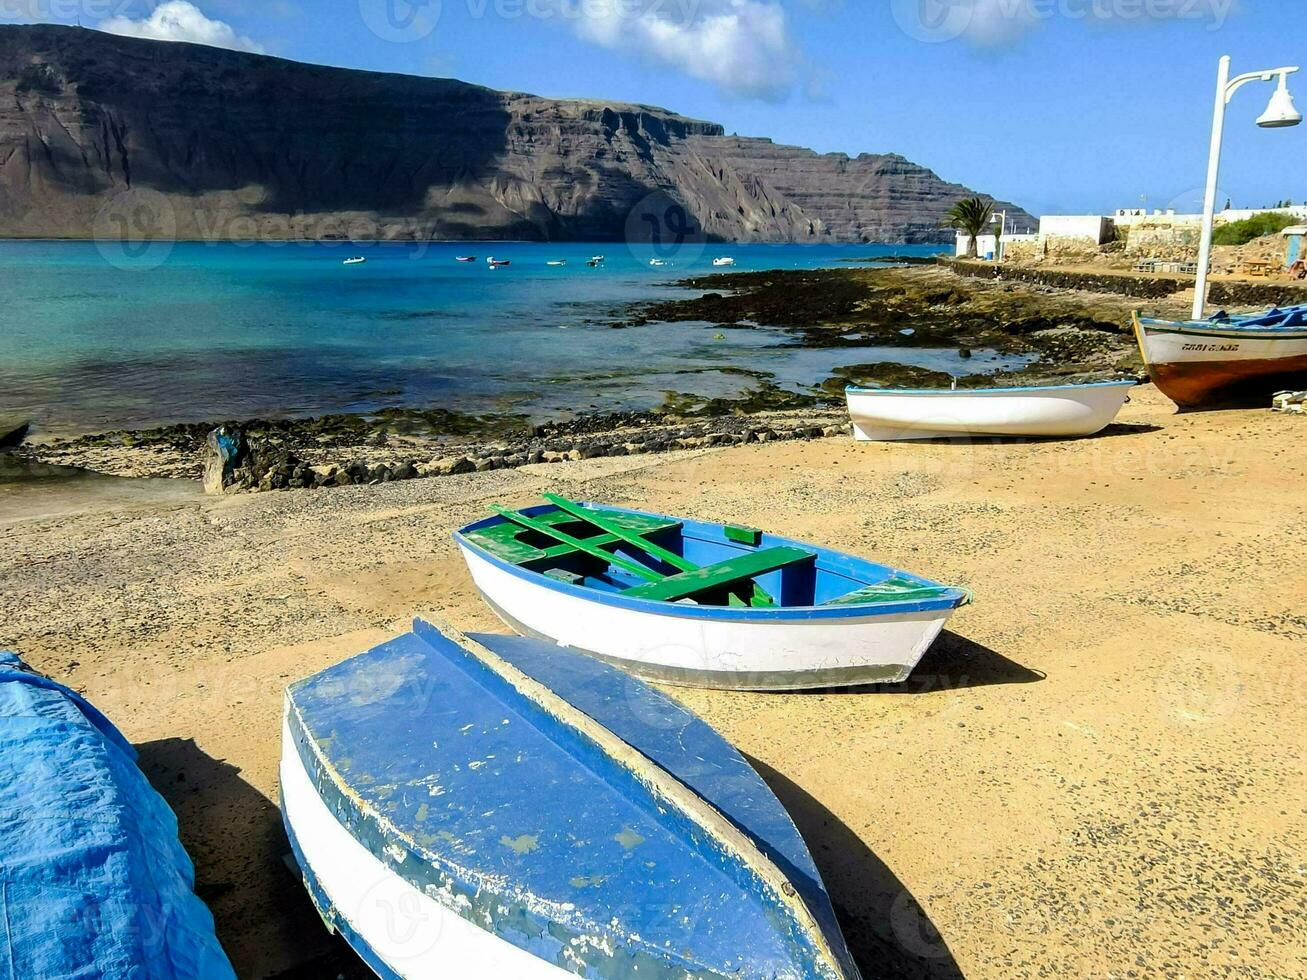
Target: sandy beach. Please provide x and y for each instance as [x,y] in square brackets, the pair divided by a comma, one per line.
[1097,772]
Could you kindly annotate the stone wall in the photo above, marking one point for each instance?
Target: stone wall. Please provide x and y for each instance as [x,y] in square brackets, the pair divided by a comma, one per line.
[1237,293]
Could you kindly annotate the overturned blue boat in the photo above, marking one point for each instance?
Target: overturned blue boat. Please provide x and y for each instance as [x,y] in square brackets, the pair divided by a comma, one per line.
[95,881]
[497,806]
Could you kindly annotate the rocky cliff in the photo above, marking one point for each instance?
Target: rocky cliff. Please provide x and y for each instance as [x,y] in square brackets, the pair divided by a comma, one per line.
[103,135]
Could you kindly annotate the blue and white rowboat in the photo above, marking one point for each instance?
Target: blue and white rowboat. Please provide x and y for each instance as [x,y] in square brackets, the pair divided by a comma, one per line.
[493,806]
[703,604]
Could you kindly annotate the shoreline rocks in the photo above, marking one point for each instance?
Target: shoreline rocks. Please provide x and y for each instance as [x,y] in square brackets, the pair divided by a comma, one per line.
[238,463]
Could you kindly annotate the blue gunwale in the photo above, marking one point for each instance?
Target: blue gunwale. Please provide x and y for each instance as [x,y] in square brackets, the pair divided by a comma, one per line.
[1235,327]
[990,391]
[836,561]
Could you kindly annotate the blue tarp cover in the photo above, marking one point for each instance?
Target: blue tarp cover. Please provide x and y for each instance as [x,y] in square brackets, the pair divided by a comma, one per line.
[93,880]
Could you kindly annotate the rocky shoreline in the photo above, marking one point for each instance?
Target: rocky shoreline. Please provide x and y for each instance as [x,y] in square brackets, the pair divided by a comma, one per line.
[1069,335]
[285,455]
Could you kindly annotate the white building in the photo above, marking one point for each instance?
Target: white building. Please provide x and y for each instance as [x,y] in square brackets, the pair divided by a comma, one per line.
[987,245]
[1125,217]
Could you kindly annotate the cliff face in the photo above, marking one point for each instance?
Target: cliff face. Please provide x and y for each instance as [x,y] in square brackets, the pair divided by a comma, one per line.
[221,144]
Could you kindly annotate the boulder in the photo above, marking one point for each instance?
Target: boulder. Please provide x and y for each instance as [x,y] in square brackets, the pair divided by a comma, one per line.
[225,453]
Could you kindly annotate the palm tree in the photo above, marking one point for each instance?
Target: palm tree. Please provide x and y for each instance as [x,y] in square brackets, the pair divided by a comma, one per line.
[970,215]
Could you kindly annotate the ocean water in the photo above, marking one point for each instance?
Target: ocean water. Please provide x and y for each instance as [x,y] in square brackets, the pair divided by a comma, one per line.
[94,337]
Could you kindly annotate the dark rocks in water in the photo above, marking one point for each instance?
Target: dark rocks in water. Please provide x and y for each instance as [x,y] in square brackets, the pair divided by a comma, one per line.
[964,353]
[13,438]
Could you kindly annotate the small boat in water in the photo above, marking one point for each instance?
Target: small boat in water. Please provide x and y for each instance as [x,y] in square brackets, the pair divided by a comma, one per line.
[96,882]
[466,258]
[724,261]
[557,262]
[498,263]
[891,414]
[658,263]
[1225,358]
[493,806]
[354,260]
[596,259]
[702,604]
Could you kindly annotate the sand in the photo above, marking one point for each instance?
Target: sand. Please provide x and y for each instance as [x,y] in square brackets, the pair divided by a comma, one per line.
[1097,772]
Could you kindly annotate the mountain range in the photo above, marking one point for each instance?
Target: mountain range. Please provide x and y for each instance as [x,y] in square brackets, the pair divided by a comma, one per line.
[100,133]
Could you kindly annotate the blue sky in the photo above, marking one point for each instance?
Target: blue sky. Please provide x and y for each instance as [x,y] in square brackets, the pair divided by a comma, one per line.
[1060,105]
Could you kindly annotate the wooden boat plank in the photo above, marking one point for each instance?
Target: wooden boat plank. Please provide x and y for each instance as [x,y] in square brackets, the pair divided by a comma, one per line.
[504,539]
[760,597]
[615,528]
[501,801]
[733,571]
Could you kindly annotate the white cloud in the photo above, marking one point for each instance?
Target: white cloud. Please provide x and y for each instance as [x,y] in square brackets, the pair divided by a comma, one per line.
[741,46]
[179,20]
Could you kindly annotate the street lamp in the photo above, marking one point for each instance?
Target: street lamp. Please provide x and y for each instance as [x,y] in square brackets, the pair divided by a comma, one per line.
[999,218]
[1280,113]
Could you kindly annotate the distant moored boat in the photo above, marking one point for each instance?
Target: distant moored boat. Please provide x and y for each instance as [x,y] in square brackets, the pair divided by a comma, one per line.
[1198,362]
[724,261]
[466,258]
[891,414]
[354,260]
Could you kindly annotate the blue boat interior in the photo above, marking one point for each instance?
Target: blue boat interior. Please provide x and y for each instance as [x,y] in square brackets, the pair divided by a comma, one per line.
[648,556]
[1292,317]
[459,782]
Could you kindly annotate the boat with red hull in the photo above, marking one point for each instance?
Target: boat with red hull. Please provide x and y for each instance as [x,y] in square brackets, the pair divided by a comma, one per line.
[1225,358]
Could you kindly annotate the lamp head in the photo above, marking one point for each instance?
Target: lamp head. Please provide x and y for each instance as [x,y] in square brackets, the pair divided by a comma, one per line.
[1281,112]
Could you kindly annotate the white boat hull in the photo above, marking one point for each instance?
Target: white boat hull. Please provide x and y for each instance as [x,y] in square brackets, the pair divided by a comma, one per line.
[408,931]
[1060,411]
[719,654]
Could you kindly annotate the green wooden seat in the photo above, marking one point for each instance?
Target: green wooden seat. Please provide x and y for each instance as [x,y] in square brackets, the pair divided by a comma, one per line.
[733,571]
[504,540]
[896,589]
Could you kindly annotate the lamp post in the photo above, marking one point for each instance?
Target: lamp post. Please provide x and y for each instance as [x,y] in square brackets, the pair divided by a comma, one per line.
[999,218]
[1279,113]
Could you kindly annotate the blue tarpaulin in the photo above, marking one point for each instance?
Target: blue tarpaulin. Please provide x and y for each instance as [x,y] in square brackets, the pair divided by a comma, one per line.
[93,879]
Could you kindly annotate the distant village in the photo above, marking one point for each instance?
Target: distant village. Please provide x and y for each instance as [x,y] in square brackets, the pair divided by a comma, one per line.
[1262,242]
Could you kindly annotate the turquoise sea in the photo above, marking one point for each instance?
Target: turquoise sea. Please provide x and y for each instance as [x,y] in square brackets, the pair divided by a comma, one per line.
[96,338]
